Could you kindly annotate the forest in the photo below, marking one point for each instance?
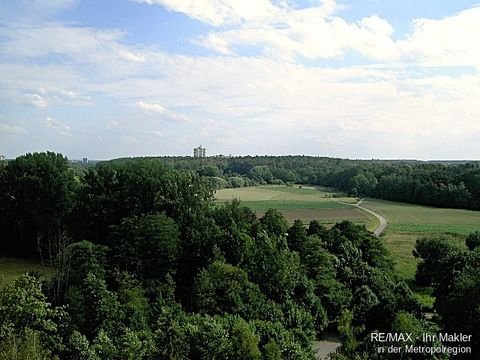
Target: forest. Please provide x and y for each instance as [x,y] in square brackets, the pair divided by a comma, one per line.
[439,184]
[141,264]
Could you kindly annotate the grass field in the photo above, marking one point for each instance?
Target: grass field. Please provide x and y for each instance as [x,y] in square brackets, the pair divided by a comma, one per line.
[11,268]
[300,202]
[408,222]
[284,193]
[403,215]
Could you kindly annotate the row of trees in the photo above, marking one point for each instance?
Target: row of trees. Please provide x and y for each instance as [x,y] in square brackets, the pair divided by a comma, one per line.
[146,267]
[437,184]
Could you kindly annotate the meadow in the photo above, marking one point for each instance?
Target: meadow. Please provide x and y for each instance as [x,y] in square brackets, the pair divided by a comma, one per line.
[306,203]
[408,222]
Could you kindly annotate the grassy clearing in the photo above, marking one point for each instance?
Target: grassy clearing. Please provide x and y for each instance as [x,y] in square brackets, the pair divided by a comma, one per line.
[424,229]
[408,214]
[283,193]
[290,205]
[11,268]
[401,245]
[306,203]
[407,223]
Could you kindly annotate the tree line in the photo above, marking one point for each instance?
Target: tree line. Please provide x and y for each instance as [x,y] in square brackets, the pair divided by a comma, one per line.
[439,184]
[143,265]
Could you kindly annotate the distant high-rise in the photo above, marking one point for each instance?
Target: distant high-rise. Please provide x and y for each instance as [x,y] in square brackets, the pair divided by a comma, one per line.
[2,157]
[85,161]
[199,152]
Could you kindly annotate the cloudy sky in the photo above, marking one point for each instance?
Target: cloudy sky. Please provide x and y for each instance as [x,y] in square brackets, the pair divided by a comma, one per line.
[346,78]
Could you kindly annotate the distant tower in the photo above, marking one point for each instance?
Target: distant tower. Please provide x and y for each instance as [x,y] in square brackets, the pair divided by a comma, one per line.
[199,152]
[2,157]
[85,161]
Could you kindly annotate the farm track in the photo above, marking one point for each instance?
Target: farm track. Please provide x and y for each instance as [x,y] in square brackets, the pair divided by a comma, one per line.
[383,221]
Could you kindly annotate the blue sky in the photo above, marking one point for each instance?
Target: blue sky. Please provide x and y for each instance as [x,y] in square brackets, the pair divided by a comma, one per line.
[357,79]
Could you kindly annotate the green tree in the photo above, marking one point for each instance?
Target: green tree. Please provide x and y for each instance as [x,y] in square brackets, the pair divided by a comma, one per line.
[26,316]
[297,235]
[36,196]
[473,240]
[171,334]
[28,346]
[274,223]
[147,246]
[24,306]
[223,288]
[94,308]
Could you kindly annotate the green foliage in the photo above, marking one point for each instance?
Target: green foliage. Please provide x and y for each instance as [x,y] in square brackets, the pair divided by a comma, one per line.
[297,235]
[147,246]
[453,272]
[94,308]
[364,301]
[441,256]
[443,185]
[158,272]
[24,347]
[473,240]
[274,267]
[244,340]
[79,259]
[37,194]
[134,303]
[273,223]
[171,335]
[24,306]
[209,338]
[278,342]
[459,307]
[347,331]
[223,288]
[235,223]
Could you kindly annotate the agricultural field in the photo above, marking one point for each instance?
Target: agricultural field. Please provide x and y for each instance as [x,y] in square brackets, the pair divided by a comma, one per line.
[408,222]
[284,193]
[301,202]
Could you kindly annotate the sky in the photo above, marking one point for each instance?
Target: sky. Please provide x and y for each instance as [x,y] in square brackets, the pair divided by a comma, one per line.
[102,79]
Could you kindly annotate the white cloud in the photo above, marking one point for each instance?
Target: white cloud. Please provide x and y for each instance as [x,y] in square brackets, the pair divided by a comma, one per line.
[32,11]
[79,44]
[167,115]
[242,104]
[130,139]
[44,98]
[112,124]
[219,12]
[150,107]
[11,129]
[316,32]
[55,124]
[451,41]
[36,100]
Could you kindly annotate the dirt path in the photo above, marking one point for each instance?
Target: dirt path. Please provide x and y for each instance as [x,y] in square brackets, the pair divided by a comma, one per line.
[383,222]
[323,348]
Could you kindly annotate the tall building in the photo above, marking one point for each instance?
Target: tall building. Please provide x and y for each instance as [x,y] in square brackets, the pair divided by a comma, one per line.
[199,152]
[2,157]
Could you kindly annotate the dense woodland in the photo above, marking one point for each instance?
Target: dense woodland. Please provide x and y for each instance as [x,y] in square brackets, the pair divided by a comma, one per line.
[140,263]
[440,184]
